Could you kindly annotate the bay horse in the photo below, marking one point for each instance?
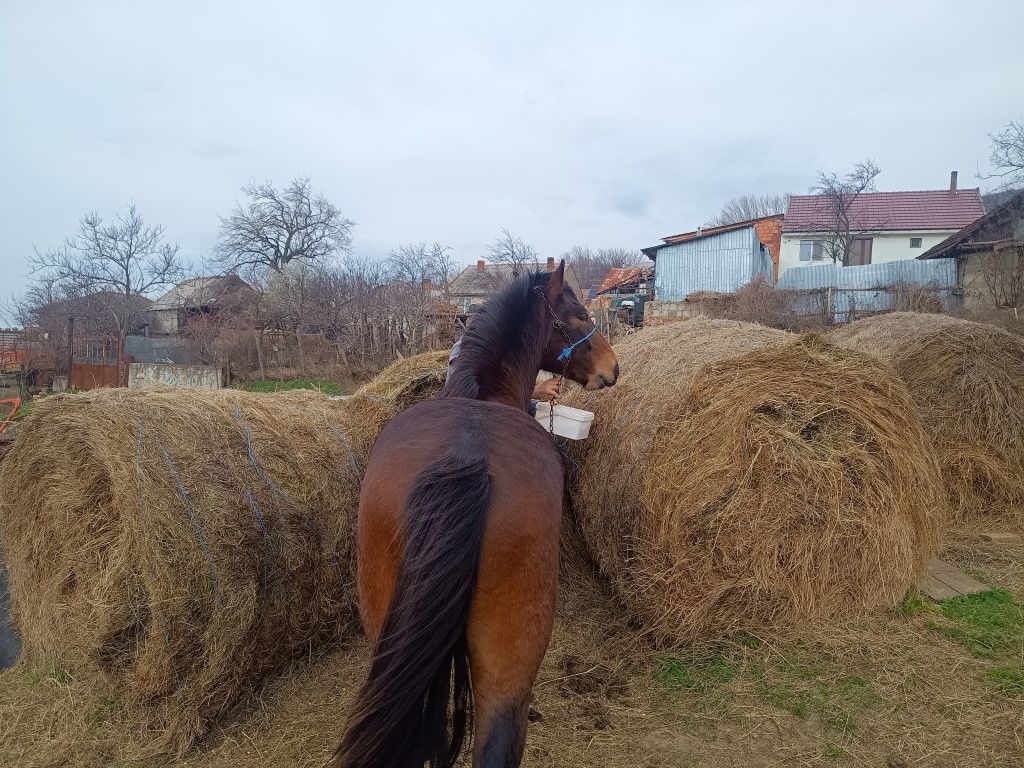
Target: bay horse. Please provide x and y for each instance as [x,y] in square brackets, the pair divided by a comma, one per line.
[458,531]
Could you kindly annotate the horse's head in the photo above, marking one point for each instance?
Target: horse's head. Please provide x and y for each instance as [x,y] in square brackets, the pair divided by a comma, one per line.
[575,344]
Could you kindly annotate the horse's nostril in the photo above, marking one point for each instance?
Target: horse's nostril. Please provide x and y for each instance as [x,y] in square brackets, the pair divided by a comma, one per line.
[616,371]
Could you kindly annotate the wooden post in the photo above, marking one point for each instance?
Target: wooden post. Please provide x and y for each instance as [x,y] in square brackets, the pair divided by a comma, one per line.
[71,348]
[122,365]
[302,357]
[259,352]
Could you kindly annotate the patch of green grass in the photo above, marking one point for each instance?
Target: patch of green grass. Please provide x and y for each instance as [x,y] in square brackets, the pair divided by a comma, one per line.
[271,385]
[833,751]
[989,624]
[797,703]
[802,687]
[1007,680]
[695,674]
[36,675]
[912,605]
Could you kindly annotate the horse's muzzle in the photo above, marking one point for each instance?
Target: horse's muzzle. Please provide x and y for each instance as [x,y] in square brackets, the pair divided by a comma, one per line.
[602,380]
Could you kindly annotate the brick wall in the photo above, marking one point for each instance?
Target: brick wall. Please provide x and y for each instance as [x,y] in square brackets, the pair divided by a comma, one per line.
[769,232]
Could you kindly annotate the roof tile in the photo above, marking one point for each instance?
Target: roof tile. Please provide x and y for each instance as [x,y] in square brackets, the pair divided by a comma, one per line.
[889,211]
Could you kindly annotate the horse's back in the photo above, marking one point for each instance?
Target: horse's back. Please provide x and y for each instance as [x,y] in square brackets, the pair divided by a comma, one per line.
[526,493]
[521,457]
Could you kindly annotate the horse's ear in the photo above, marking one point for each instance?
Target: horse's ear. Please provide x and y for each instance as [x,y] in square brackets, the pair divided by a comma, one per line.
[556,282]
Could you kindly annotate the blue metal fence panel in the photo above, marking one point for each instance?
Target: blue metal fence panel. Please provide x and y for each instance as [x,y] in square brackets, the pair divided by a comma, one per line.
[865,288]
[720,263]
[933,273]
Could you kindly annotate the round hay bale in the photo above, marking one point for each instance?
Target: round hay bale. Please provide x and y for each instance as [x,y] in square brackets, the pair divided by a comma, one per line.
[408,381]
[967,381]
[739,477]
[175,546]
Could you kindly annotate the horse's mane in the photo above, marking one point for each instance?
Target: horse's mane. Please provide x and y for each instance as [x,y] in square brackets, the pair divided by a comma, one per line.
[503,341]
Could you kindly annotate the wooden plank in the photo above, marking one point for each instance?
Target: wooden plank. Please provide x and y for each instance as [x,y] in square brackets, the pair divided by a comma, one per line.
[944,582]
[936,590]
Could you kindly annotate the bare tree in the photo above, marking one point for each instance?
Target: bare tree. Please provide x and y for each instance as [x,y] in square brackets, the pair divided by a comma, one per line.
[416,262]
[747,207]
[277,227]
[834,216]
[115,266]
[1007,156]
[507,249]
[591,265]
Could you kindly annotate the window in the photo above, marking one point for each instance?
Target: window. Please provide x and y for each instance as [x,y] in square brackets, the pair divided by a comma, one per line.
[812,250]
[860,252]
[915,242]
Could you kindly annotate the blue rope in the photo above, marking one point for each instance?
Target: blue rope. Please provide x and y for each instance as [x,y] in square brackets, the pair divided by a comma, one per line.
[195,522]
[250,446]
[345,443]
[266,544]
[567,352]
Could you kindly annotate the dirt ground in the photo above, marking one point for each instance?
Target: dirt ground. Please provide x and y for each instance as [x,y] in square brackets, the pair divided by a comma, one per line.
[924,685]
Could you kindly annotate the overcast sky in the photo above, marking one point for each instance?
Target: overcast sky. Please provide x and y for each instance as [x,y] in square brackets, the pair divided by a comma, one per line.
[590,123]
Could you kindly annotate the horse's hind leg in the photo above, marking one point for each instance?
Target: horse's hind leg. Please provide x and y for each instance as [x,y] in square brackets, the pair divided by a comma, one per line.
[508,632]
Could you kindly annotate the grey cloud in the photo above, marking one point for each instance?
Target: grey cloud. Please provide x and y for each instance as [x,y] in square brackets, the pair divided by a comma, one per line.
[592,123]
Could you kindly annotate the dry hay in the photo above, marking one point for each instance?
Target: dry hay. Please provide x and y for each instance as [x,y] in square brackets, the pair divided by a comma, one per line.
[176,546]
[410,380]
[967,380]
[742,477]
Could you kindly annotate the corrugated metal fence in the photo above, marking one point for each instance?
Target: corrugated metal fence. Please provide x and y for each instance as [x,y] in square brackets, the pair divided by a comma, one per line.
[869,287]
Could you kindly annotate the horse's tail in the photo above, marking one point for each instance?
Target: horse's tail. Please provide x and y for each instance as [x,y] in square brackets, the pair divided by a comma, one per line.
[420,662]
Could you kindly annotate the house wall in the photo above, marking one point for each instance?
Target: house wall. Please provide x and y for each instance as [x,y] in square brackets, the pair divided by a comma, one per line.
[187,376]
[719,263]
[885,246]
[163,322]
[1005,268]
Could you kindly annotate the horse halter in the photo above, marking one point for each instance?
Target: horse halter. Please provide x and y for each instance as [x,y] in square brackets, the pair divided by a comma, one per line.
[556,321]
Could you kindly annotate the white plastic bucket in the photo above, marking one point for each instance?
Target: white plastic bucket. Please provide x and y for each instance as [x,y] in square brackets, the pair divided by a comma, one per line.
[569,422]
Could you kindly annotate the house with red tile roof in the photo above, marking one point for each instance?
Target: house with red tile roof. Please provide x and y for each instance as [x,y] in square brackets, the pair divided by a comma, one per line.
[887,226]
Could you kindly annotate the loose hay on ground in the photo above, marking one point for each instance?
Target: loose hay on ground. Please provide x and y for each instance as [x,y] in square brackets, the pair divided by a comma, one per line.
[176,546]
[967,380]
[742,477]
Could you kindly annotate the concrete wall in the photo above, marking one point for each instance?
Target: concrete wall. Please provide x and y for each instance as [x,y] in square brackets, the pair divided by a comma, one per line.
[186,376]
[885,246]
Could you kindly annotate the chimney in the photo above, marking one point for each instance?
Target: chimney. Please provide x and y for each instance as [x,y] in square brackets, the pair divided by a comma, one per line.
[480,264]
[551,263]
[427,285]
[952,182]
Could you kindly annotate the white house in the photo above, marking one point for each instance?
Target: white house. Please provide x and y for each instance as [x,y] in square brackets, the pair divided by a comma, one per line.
[890,226]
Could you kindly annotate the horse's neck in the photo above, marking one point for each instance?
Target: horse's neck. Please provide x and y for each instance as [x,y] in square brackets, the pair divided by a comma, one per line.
[511,380]
[514,388]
